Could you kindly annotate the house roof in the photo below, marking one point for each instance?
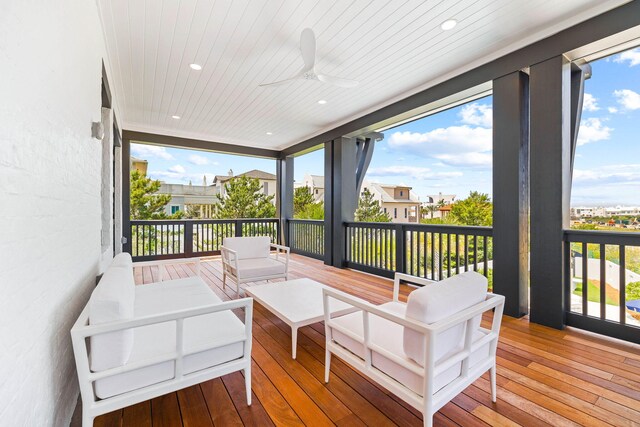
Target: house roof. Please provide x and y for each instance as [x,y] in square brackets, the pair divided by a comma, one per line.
[387,198]
[255,173]
[317,181]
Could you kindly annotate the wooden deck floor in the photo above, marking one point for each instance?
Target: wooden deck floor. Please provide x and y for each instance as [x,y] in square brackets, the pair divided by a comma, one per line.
[545,376]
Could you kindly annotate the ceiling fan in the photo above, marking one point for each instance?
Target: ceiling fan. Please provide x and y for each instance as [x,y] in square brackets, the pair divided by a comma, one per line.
[308,72]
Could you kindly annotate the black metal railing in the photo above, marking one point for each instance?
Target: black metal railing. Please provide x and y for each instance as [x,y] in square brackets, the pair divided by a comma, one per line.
[160,239]
[306,237]
[431,251]
[600,269]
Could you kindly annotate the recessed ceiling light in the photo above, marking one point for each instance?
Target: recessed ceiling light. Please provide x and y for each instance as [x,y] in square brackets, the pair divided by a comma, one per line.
[448,24]
[269,133]
[175,117]
[196,67]
[322,102]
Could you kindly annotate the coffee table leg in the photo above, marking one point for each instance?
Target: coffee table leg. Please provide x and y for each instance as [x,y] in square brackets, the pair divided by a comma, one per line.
[294,341]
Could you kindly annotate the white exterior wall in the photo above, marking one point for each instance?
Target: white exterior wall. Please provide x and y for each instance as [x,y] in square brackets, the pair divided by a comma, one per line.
[50,187]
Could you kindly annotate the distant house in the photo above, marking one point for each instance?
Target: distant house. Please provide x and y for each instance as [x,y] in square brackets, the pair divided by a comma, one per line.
[445,211]
[199,197]
[436,202]
[399,201]
[140,165]
[267,181]
[315,184]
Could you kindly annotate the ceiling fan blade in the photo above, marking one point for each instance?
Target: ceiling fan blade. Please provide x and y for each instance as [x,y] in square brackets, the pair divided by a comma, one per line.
[337,81]
[308,48]
[297,76]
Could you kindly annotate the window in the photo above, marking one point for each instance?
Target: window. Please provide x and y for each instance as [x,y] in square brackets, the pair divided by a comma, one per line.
[405,212]
[174,209]
[385,210]
[265,187]
[401,193]
[395,212]
[316,191]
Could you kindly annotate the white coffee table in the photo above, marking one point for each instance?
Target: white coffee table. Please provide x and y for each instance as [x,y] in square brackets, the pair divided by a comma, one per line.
[297,302]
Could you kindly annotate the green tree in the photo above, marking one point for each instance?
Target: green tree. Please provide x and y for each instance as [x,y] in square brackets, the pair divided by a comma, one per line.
[369,210]
[312,211]
[145,203]
[244,198]
[302,197]
[633,291]
[476,209]
[430,208]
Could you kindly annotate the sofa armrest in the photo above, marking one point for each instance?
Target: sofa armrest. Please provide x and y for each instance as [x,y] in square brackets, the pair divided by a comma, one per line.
[229,259]
[286,250]
[409,280]
[163,262]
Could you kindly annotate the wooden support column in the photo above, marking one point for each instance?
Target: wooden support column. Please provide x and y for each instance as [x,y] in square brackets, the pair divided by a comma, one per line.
[341,198]
[511,191]
[126,194]
[284,195]
[550,176]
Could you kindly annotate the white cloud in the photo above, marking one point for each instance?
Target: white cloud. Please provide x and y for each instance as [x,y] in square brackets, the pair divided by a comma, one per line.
[198,160]
[592,130]
[612,110]
[145,151]
[181,178]
[477,115]
[590,103]
[455,145]
[414,172]
[628,99]
[611,174]
[177,169]
[632,56]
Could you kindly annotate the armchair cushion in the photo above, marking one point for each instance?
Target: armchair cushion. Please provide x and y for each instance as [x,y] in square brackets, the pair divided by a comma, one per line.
[123,259]
[438,301]
[112,300]
[258,267]
[249,247]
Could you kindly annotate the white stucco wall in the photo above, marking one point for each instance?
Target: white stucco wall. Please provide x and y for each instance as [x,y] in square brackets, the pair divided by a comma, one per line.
[50,186]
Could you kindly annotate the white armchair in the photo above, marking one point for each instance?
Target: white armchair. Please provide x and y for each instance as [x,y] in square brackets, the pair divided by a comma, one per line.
[249,259]
[425,351]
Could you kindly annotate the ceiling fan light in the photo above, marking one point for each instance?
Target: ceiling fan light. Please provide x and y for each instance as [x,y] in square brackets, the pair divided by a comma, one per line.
[448,24]
[196,67]
[322,102]
[269,133]
[176,117]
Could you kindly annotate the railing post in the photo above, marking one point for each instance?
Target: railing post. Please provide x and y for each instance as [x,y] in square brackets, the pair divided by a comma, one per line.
[401,251]
[188,238]
[238,228]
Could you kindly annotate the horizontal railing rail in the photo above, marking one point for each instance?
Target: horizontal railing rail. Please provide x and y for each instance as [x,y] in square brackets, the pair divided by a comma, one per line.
[599,267]
[426,250]
[163,239]
[306,237]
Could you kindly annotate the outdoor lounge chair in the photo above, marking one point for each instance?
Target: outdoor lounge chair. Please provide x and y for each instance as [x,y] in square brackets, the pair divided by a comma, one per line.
[425,351]
[248,259]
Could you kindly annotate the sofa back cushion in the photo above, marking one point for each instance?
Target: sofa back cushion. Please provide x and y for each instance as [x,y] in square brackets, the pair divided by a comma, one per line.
[123,259]
[112,300]
[439,301]
[249,247]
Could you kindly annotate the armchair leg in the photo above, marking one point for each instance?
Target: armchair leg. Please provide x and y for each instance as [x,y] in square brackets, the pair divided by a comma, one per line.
[493,383]
[327,365]
[247,383]
[87,418]
[224,279]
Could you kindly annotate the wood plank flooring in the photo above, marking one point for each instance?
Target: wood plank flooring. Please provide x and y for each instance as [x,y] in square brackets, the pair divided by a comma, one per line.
[546,377]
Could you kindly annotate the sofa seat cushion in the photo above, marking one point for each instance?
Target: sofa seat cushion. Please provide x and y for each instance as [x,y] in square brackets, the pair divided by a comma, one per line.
[111,301]
[258,267]
[249,247]
[160,339]
[439,301]
[389,335]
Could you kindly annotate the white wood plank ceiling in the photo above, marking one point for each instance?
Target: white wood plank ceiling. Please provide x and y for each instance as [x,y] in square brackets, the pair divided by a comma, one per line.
[394,48]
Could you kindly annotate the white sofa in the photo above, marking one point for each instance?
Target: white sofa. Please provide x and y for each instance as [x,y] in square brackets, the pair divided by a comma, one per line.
[133,343]
[425,351]
[248,259]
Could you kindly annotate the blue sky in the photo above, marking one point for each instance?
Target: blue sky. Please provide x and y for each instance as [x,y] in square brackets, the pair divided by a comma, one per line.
[450,152]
